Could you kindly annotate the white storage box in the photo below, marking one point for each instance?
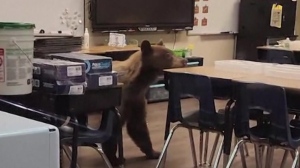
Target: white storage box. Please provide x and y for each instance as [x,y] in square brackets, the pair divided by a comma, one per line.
[285,71]
[242,66]
[26,143]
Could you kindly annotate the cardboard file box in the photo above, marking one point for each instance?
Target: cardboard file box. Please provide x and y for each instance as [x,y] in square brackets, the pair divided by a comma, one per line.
[58,70]
[99,80]
[93,63]
[66,87]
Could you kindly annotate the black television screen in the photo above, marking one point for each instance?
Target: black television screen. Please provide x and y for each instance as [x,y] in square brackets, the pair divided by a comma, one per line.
[132,14]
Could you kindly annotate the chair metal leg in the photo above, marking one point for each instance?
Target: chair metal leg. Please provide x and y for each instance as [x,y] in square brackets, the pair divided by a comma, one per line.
[296,160]
[201,148]
[245,146]
[213,150]
[246,150]
[100,151]
[235,142]
[269,158]
[218,157]
[164,150]
[258,155]
[243,158]
[262,148]
[193,147]
[286,152]
[206,148]
[68,153]
[293,154]
[232,156]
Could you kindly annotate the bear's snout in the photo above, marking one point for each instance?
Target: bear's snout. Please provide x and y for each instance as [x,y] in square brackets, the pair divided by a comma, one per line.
[184,62]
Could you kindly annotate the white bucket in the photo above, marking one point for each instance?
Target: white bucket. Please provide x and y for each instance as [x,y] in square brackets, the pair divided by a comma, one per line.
[16,53]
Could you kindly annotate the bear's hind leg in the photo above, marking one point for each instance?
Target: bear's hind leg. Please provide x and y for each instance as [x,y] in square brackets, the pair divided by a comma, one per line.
[138,131]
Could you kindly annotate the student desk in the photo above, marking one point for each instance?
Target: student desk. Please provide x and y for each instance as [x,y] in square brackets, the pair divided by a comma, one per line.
[209,71]
[278,55]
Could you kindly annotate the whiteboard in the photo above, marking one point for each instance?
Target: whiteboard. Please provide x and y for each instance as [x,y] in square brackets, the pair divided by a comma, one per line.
[215,17]
[52,16]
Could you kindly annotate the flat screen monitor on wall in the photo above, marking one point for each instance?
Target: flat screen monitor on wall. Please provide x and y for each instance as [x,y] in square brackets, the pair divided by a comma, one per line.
[142,15]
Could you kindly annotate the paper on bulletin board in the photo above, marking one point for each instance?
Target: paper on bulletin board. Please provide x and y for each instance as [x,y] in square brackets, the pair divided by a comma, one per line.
[212,17]
[276,16]
[202,15]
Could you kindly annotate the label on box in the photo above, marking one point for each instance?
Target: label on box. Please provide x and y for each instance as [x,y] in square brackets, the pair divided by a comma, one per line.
[76,89]
[36,83]
[74,71]
[37,70]
[105,80]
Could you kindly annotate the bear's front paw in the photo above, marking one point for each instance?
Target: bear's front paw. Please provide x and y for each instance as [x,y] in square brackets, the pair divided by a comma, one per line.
[153,155]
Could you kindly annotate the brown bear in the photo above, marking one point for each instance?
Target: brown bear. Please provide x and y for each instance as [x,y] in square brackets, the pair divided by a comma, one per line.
[137,73]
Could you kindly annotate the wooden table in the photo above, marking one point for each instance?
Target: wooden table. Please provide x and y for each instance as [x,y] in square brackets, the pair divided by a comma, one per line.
[209,71]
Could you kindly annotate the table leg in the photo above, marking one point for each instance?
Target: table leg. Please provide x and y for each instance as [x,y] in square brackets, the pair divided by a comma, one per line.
[120,137]
[228,132]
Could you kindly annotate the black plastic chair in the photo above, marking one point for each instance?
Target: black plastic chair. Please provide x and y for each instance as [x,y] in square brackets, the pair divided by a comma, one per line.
[276,133]
[90,137]
[206,119]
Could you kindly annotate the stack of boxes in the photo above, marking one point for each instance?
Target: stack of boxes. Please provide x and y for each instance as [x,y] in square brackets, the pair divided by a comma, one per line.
[59,77]
[98,69]
[73,73]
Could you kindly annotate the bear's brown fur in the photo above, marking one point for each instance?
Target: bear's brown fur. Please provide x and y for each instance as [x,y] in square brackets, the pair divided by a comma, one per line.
[137,73]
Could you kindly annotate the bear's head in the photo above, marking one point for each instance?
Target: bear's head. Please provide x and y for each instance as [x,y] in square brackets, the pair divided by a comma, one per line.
[158,57]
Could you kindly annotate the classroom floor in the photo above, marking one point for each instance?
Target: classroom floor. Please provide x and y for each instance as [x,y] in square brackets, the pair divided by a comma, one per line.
[179,153]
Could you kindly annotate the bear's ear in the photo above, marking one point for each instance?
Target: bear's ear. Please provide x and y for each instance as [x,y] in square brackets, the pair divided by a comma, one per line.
[146,47]
[161,43]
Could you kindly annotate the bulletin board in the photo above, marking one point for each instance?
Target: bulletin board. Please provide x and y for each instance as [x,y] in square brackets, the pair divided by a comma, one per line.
[51,16]
[215,17]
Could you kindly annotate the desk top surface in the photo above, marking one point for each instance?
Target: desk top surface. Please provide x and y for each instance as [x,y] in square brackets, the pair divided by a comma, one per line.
[209,71]
[105,49]
[276,48]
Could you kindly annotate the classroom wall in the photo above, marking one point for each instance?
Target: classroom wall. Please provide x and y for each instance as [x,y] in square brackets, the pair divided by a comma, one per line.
[215,47]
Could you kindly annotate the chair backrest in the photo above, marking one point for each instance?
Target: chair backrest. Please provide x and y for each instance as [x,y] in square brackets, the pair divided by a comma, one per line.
[198,87]
[109,122]
[272,99]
